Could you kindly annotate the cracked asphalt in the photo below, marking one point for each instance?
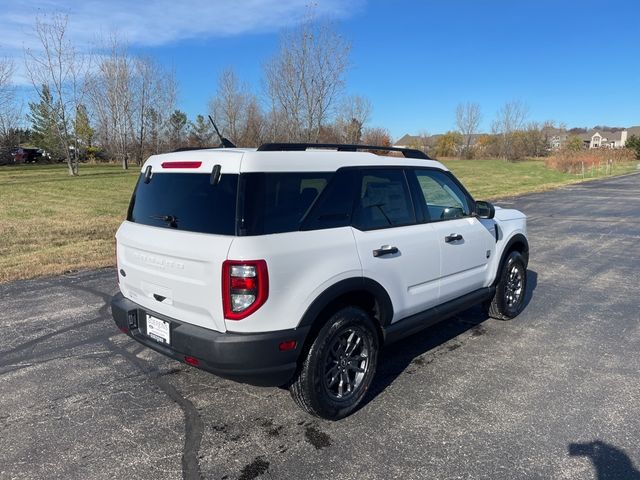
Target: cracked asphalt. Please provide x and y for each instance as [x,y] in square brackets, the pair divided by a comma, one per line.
[554,393]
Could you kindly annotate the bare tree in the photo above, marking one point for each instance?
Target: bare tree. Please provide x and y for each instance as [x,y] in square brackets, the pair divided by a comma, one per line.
[132,98]
[7,68]
[424,141]
[229,106]
[306,77]
[237,111]
[57,66]
[468,118]
[112,97]
[153,89]
[355,112]
[254,132]
[509,120]
[145,89]
[376,136]
[9,111]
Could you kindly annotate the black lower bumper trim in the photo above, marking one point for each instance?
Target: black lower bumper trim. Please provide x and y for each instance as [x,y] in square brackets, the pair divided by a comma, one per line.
[253,358]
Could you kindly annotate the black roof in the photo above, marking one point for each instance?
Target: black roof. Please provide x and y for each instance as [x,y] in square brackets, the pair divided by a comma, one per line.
[340,147]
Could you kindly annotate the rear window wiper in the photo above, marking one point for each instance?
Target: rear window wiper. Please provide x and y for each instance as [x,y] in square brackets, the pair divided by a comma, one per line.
[171,220]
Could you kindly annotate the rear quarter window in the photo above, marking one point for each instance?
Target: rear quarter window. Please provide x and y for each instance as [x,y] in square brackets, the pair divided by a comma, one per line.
[186,201]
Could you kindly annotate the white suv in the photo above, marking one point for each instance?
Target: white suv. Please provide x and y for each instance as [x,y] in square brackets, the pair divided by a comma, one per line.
[293,264]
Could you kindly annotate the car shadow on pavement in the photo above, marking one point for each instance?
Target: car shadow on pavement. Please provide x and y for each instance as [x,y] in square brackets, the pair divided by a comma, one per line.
[609,462]
[407,355]
[532,284]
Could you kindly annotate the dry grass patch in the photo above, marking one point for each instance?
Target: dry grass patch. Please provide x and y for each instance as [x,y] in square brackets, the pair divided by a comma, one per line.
[52,223]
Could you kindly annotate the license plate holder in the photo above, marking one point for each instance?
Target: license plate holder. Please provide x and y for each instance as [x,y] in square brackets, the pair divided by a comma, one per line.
[159,330]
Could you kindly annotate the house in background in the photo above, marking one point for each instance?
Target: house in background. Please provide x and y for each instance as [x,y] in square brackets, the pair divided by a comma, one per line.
[609,138]
[555,138]
[413,141]
[425,143]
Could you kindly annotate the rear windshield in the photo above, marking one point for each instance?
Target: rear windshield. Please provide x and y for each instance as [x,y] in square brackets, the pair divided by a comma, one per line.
[186,201]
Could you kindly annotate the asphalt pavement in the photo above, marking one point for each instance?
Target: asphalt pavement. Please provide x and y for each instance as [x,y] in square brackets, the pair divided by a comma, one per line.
[552,394]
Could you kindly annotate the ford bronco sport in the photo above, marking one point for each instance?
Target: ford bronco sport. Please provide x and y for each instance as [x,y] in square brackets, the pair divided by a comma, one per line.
[293,264]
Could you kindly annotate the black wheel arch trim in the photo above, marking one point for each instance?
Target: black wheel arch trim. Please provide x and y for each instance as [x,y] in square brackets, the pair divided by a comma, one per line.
[343,287]
[517,238]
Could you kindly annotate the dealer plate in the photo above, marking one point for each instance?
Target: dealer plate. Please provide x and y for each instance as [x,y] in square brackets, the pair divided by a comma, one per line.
[159,330]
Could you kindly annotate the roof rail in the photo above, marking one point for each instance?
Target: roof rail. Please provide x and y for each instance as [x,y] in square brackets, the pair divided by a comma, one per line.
[340,147]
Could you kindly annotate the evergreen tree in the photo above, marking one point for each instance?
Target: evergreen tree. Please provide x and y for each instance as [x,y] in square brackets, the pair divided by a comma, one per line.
[634,144]
[83,129]
[43,124]
[177,123]
[200,134]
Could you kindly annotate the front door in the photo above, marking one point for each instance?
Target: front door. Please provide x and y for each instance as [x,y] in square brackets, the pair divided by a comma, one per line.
[465,244]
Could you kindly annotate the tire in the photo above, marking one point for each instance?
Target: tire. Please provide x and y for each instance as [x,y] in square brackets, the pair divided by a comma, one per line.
[511,289]
[321,387]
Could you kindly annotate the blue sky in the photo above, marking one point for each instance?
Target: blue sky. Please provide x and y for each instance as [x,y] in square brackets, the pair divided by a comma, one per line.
[577,62]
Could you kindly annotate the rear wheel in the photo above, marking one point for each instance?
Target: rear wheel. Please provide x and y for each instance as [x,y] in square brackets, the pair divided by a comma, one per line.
[339,367]
[508,300]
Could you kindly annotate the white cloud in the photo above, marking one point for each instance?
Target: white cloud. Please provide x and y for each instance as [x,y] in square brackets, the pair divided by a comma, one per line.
[155,23]
[160,22]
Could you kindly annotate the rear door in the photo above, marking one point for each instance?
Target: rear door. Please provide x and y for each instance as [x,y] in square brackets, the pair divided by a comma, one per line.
[178,231]
[466,245]
[396,251]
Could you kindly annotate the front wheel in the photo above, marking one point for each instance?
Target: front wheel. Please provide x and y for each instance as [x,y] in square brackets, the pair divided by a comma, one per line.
[339,367]
[511,288]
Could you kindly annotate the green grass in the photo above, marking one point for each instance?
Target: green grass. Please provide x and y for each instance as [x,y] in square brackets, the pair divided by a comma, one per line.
[491,179]
[51,223]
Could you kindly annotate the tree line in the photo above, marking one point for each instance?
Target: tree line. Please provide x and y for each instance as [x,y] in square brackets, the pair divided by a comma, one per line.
[511,136]
[119,106]
[115,105]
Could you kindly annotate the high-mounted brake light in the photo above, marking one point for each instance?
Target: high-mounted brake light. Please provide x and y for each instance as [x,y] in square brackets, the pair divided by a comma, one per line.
[181,164]
[245,287]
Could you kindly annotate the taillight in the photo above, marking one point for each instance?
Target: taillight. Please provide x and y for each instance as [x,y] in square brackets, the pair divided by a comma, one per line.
[245,287]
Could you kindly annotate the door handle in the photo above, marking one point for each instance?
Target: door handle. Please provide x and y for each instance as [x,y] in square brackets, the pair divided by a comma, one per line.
[454,237]
[385,250]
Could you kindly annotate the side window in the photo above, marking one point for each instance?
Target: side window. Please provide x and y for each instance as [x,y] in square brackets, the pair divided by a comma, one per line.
[443,198]
[382,200]
[333,207]
[277,202]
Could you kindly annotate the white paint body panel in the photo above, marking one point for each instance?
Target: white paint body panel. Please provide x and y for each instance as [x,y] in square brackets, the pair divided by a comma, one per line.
[238,160]
[301,266]
[510,222]
[186,267]
[411,276]
[464,264]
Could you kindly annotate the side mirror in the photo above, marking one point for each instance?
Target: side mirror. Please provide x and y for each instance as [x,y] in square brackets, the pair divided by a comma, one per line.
[485,209]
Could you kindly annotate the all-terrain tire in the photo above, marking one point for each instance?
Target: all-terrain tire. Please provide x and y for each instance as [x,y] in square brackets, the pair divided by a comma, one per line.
[508,300]
[315,388]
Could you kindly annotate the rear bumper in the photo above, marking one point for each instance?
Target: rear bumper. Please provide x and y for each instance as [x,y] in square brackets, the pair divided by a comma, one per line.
[253,358]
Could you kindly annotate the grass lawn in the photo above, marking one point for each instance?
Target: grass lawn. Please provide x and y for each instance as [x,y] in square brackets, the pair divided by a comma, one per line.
[51,223]
[491,179]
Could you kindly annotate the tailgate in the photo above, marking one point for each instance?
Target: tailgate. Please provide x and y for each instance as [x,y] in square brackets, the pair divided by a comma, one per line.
[174,273]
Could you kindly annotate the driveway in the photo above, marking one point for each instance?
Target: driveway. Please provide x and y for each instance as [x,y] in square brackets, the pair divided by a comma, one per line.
[554,393]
